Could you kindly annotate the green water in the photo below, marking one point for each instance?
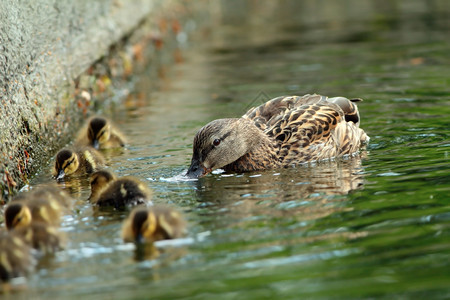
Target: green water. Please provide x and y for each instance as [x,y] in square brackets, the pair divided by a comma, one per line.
[374,226]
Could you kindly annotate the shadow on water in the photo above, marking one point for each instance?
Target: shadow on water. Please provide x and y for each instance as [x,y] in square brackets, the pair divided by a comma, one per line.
[363,227]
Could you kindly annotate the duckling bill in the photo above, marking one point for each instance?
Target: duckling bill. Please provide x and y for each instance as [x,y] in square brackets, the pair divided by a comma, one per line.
[279,133]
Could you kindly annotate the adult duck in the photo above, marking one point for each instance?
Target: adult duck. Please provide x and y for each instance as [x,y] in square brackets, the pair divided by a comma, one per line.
[282,132]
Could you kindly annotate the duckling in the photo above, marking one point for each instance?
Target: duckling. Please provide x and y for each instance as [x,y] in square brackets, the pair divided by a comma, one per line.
[118,193]
[279,133]
[51,191]
[21,214]
[33,220]
[44,204]
[45,238]
[16,258]
[99,182]
[17,215]
[101,134]
[153,224]
[77,162]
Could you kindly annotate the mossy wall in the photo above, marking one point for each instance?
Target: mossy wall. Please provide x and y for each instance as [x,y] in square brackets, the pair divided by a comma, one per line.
[56,57]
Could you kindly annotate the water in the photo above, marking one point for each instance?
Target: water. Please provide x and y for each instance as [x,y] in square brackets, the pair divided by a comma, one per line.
[372,226]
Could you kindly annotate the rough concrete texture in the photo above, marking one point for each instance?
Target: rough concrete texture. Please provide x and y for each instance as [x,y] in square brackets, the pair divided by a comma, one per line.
[55,55]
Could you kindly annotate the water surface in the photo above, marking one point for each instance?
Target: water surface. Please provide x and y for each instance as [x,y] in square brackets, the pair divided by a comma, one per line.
[375,225]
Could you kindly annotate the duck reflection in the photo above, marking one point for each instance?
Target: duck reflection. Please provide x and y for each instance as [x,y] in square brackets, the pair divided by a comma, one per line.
[309,192]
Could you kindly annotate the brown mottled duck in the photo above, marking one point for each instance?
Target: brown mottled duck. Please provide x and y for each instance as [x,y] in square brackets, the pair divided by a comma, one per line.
[282,132]
[77,162]
[100,133]
[119,193]
[150,224]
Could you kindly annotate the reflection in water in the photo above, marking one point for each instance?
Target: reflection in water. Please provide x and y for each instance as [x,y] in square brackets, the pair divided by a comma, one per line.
[305,193]
[74,185]
[337,177]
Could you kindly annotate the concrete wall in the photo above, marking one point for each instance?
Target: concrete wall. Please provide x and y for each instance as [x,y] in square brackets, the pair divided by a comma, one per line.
[47,50]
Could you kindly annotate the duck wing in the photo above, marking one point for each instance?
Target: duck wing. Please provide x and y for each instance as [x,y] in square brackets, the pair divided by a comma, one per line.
[264,114]
[315,130]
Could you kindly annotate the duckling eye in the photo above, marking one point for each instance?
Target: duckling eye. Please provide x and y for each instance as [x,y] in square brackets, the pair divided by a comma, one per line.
[216,142]
[69,162]
[101,133]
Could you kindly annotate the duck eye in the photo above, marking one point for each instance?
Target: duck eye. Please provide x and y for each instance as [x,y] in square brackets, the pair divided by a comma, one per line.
[216,142]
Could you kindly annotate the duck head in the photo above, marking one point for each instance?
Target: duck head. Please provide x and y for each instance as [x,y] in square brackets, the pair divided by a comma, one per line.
[66,163]
[220,143]
[99,131]
[140,226]
[17,215]
[99,181]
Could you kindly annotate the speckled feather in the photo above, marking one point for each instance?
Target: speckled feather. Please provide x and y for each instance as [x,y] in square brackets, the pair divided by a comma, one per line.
[309,128]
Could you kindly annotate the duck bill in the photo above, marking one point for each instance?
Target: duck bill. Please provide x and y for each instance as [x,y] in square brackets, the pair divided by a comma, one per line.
[140,239]
[197,169]
[60,175]
[96,144]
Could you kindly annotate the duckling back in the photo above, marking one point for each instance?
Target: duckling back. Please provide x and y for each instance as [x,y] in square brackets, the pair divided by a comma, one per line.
[124,192]
[43,237]
[99,181]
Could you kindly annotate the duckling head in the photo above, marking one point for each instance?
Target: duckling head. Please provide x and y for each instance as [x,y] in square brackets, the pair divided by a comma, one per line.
[17,215]
[140,227]
[99,181]
[221,142]
[66,163]
[99,131]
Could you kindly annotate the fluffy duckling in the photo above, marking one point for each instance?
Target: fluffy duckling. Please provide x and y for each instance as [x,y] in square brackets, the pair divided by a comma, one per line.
[43,204]
[42,237]
[106,190]
[16,258]
[77,162]
[101,134]
[35,224]
[279,133]
[99,182]
[153,224]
